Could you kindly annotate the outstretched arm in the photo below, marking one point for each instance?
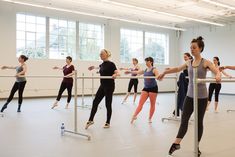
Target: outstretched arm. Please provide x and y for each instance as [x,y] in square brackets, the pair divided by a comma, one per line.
[172,70]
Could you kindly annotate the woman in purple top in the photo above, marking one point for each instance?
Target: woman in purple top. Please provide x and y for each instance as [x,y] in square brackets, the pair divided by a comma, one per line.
[133,82]
[67,82]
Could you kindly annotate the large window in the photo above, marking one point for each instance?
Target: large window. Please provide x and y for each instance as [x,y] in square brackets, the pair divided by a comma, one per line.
[156,46]
[62,39]
[131,45]
[91,41]
[31,36]
[140,44]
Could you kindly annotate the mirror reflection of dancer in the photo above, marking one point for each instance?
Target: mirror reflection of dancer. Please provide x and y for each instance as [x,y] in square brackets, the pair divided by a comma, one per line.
[132,82]
[106,89]
[20,83]
[215,86]
[150,88]
[197,47]
[67,83]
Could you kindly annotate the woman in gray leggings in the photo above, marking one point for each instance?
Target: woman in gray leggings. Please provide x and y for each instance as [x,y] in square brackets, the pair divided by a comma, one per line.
[197,46]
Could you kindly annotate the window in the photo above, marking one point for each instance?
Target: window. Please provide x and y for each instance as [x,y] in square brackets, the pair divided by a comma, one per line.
[156,46]
[131,45]
[91,41]
[62,38]
[30,36]
[140,44]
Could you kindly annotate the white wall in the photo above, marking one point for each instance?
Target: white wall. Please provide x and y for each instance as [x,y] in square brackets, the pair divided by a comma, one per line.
[219,41]
[49,87]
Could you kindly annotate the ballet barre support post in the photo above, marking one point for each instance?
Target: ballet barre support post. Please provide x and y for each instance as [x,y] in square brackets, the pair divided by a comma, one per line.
[75,111]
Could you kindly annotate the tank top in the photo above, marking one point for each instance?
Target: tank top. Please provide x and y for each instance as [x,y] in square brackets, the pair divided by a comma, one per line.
[134,69]
[202,91]
[18,70]
[149,82]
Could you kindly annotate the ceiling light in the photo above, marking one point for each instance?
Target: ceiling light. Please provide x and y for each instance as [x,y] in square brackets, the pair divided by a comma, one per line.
[163,13]
[94,15]
[219,4]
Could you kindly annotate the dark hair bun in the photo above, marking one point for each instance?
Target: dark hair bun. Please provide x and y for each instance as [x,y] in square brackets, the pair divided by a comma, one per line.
[200,38]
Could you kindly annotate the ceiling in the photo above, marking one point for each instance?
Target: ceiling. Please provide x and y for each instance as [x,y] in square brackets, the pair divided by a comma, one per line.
[170,13]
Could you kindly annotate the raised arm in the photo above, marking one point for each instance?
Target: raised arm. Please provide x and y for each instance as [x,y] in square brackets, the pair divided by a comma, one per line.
[57,68]
[228,67]
[93,67]
[8,67]
[172,70]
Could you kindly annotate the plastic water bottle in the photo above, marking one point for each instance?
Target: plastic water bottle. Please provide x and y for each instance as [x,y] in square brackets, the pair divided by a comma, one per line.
[62,129]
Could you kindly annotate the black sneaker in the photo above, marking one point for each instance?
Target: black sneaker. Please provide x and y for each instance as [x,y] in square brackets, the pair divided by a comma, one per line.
[173,148]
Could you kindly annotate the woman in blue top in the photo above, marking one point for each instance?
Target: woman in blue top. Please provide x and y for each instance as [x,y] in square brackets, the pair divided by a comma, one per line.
[150,88]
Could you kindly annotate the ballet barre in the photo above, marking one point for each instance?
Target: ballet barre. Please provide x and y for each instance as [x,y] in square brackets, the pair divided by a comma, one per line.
[75,131]
[197,81]
[130,77]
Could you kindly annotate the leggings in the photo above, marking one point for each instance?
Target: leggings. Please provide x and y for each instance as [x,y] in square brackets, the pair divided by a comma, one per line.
[63,86]
[107,92]
[20,87]
[133,82]
[214,87]
[187,112]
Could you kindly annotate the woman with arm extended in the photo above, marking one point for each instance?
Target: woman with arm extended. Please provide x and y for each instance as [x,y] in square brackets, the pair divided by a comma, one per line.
[197,47]
[20,83]
[215,86]
[106,89]
[133,81]
[67,83]
[150,88]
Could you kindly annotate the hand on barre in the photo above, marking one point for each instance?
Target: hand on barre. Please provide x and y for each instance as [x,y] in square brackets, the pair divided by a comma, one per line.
[114,76]
[160,76]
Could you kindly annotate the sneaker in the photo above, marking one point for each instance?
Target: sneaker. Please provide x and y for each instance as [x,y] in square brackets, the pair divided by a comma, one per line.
[173,148]
[106,126]
[89,123]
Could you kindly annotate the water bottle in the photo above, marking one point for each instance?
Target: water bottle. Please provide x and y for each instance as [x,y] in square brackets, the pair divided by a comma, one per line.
[62,129]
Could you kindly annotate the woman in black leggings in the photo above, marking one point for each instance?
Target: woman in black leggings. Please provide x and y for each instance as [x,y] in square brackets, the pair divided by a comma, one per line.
[20,82]
[67,83]
[106,89]
[197,47]
[215,86]
[132,82]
